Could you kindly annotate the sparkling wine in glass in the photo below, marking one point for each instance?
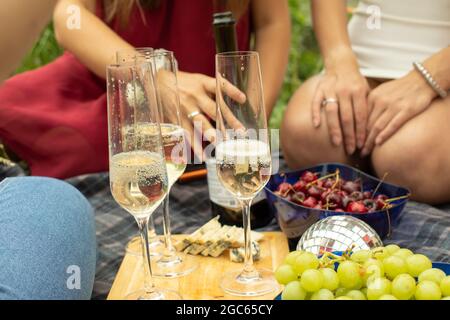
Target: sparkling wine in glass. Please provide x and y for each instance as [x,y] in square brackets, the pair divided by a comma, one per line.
[124,57]
[243,155]
[171,263]
[138,175]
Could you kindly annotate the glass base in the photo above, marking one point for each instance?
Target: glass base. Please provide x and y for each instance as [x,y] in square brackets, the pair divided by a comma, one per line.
[260,283]
[156,247]
[177,265]
[158,294]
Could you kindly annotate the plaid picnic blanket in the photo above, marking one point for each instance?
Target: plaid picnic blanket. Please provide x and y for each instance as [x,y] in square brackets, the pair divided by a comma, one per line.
[423,228]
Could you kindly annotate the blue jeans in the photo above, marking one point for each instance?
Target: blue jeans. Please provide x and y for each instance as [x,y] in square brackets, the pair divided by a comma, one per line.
[47,240]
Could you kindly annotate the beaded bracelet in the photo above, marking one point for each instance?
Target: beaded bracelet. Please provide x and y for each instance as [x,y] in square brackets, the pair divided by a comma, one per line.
[430,80]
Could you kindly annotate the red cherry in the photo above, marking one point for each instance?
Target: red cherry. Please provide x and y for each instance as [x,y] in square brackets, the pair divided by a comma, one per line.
[310,202]
[315,192]
[380,201]
[351,186]
[300,186]
[356,207]
[284,189]
[309,176]
[381,197]
[335,199]
[367,195]
[339,210]
[328,183]
[357,195]
[298,197]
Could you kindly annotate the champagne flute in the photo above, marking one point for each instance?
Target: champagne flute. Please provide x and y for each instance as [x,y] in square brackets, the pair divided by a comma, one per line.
[172,263]
[243,155]
[156,246]
[138,175]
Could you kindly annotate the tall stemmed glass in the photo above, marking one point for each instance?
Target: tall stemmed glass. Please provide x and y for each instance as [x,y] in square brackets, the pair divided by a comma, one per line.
[124,57]
[138,175]
[243,155]
[172,263]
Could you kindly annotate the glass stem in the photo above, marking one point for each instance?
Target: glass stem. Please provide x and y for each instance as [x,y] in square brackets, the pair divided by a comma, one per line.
[169,250]
[149,285]
[151,229]
[249,268]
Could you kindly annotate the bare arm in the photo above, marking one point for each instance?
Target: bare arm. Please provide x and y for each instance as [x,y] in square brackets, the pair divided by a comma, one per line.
[342,86]
[22,22]
[94,43]
[273,35]
[330,27]
[395,102]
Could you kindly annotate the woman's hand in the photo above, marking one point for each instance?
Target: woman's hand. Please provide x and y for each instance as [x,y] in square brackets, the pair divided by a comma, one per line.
[394,103]
[347,117]
[198,105]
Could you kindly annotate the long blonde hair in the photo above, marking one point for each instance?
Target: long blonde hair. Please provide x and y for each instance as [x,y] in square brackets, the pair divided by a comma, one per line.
[121,9]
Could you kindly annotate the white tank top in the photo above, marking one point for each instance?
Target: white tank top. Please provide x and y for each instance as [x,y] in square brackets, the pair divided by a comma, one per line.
[388,35]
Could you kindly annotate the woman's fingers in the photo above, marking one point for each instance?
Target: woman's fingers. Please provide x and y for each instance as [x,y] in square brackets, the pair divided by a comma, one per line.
[226,87]
[396,123]
[207,105]
[378,127]
[347,123]
[360,111]
[317,106]
[334,127]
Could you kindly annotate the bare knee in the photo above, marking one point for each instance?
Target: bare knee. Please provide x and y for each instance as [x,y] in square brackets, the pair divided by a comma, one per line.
[407,161]
[302,143]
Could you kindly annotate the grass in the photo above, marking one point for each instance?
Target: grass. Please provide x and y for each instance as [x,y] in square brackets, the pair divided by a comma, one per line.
[304,57]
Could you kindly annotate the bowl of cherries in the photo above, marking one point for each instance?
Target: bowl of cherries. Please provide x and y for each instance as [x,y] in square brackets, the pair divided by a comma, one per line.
[300,198]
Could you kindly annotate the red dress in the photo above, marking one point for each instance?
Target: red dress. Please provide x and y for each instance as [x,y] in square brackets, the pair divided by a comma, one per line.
[54,117]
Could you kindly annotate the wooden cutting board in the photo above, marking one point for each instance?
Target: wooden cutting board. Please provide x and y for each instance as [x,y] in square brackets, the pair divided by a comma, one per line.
[203,283]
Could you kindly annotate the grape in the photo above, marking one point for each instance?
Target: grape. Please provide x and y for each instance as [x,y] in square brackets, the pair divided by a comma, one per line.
[292,256]
[293,291]
[403,253]
[428,290]
[403,287]
[311,280]
[285,274]
[361,256]
[349,275]
[343,298]
[305,261]
[341,292]
[445,286]
[387,297]
[373,267]
[392,248]
[433,274]
[330,279]
[356,295]
[323,294]
[380,253]
[417,264]
[377,288]
[393,266]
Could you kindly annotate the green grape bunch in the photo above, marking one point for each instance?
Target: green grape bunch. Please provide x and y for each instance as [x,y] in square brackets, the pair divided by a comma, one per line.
[384,273]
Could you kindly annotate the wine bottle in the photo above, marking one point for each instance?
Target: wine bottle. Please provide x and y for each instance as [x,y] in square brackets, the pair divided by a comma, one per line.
[223,203]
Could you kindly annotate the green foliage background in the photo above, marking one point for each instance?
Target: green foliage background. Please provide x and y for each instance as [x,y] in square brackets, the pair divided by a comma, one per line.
[304,59]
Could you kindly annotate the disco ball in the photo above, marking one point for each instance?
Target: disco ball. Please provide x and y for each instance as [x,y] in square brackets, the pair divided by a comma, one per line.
[338,233]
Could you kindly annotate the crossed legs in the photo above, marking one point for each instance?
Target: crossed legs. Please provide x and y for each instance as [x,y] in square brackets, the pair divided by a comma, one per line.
[417,156]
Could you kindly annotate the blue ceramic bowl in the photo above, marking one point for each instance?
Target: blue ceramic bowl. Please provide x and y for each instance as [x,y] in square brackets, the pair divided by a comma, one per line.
[294,219]
[439,265]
